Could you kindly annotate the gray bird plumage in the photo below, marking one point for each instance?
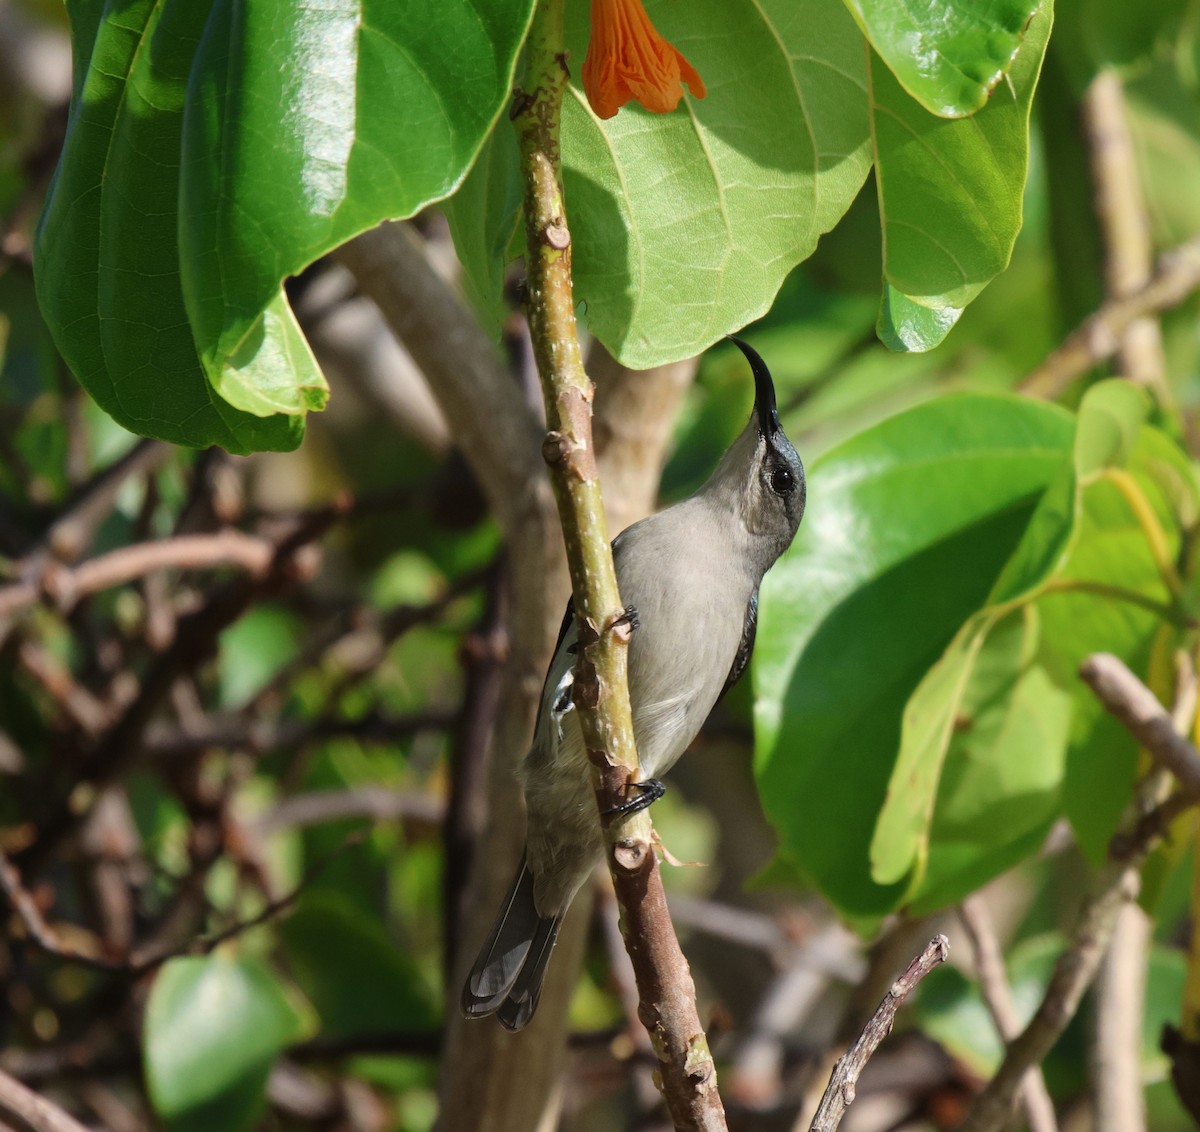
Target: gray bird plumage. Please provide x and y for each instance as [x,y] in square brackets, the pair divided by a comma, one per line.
[692,573]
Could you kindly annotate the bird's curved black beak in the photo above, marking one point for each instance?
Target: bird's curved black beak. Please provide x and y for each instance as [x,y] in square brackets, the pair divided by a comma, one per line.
[764,390]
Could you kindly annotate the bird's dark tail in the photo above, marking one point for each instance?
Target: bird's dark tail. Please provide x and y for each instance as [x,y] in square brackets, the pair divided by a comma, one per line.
[506,979]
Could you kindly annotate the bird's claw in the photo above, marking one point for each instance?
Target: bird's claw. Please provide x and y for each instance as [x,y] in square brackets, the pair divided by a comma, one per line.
[629,619]
[649,790]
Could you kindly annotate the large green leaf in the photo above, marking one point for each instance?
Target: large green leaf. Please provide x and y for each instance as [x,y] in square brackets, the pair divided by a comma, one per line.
[999,791]
[215,149]
[948,56]
[989,702]
[685,224]
[214,1026]
[909,525]
[950,194]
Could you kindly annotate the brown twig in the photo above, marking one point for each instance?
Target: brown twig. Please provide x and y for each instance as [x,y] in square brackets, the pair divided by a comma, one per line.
[1137,708]
[71,533]
[27,1110]
[47,939]
[997,995]
[1176,275]
[378,803]
[839,1094]
[66,585]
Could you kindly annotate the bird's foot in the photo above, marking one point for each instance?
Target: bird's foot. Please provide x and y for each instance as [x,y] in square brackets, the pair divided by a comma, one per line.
[649,792]
[628,620]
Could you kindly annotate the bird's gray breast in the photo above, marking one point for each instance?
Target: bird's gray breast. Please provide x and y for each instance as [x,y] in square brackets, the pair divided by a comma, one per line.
[691,600]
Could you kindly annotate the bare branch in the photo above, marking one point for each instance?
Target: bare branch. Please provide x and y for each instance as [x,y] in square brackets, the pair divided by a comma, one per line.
[65,585]
[1124,225]
[26,1109]
[292,558]
[839,1094]
[993,985]
[1176,276]
[1120,999]
[1130,701]
[364,801]
[262,737]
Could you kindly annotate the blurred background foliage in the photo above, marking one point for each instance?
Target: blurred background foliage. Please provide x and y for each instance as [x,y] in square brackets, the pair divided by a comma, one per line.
[257,918]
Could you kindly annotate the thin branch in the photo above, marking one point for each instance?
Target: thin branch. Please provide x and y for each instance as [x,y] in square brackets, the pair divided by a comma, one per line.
[1137,708]
[993,985]
[66,585]
[840,1092]
[146,961]
[378,803]
[71,533]
[48,941]
[1176,276]
[26,1109]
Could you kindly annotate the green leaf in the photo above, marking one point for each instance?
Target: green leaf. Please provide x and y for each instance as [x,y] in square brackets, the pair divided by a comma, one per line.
[933,711]
[1101,761]
[909,524]
[994,706]
[684,225]
[1000,786]
[107,257]
[950,194]
[214,150]
[1109,421]
[485,218]
[214,1026]
[948,56]
[906,325]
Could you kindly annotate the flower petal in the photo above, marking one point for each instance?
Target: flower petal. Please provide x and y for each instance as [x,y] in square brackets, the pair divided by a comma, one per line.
[627,59]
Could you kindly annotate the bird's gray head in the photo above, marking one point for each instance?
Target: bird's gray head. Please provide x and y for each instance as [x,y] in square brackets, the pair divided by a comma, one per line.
[762,471]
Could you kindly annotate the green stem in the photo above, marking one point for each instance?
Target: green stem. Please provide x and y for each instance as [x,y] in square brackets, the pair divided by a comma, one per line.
[550,306]
[1167,612]
[1156,538]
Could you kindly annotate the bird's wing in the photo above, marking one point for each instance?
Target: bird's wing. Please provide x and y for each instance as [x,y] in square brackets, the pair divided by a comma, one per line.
[745,647]
[556,686]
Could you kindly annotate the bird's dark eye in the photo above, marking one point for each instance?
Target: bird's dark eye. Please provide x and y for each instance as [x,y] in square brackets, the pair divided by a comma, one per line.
[782,481]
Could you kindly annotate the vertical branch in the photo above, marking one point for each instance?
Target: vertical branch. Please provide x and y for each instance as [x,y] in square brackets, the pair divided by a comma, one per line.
[1124,226]
[665,986]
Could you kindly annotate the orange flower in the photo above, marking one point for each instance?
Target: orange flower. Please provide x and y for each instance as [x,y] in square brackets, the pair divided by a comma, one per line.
[628,59]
